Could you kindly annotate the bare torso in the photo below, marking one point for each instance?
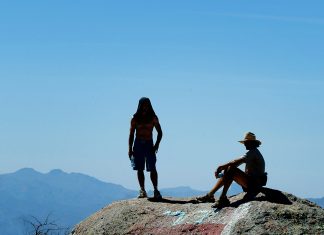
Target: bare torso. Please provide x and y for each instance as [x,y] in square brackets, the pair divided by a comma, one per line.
[144,131]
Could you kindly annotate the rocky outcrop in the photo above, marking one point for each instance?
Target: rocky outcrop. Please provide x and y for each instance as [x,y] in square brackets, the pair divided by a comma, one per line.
[271,212]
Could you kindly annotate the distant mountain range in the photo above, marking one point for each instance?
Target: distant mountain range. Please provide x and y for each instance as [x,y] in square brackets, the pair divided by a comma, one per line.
[318,201]
[67,197]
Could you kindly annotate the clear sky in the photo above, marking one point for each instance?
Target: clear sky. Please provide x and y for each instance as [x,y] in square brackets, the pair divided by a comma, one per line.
[72,72]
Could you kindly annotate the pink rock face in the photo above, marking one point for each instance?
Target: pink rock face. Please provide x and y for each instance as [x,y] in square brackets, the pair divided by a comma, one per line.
[276,213]
[203,229]
[187,219]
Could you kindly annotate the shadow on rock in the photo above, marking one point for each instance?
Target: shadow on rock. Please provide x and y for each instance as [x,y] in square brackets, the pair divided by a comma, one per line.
[268,194]
[172,201]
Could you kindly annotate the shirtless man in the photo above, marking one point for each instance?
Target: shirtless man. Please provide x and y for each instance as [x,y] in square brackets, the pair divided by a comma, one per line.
[142,149]
[251,180]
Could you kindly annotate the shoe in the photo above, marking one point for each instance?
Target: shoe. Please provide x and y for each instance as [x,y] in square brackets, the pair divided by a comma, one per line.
[249,196]
[142,194]
[206,198]
[221,202]
[157,195]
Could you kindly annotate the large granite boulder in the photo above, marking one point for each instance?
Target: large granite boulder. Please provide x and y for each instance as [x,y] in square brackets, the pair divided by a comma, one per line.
[271,212]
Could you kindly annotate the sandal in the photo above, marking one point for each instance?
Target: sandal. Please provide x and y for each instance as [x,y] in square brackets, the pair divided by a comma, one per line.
[206,198]
[249,196]
[222,202]
[142,194]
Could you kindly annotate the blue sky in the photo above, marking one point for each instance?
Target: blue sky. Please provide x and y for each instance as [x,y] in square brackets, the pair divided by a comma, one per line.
[72,72]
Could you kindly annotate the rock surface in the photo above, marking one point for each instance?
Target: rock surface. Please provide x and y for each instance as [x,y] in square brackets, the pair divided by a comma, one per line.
[271,212]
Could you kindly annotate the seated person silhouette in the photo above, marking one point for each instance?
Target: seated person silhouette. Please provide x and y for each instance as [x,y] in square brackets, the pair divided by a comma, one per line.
[251,180]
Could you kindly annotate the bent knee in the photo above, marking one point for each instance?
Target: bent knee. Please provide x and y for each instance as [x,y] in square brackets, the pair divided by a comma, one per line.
[230,171]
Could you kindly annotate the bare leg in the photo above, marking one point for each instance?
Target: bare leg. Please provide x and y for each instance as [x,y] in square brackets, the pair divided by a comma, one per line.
[141,179]
[217,186]
[231,174]
[238,176]
[227,183]
[154,179]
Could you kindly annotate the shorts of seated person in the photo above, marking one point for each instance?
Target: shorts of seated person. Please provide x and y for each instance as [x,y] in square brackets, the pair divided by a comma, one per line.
[144,155]
[255,183]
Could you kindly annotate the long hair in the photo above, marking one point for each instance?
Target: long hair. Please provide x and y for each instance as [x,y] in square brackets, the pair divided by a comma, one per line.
[150,114]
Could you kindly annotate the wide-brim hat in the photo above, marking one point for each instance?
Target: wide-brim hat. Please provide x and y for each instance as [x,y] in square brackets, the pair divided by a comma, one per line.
[249,137]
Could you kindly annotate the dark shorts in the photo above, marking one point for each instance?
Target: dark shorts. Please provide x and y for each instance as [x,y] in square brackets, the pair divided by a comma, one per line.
[255,183]
[144,155]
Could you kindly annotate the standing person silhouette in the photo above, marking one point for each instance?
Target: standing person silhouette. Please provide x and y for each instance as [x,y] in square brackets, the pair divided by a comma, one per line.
[142,151]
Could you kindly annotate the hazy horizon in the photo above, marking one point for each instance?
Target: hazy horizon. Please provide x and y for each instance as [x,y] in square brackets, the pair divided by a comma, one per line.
[71,75]
[149,187]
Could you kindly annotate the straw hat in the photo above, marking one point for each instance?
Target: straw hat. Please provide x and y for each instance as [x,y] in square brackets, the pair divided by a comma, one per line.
[249,137]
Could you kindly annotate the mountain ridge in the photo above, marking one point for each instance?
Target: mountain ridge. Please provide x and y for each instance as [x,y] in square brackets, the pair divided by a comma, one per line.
[68,197]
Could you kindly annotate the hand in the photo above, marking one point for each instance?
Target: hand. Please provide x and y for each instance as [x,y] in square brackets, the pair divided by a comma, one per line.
[219,169]
[216,174]
[130,153]
[155,148]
